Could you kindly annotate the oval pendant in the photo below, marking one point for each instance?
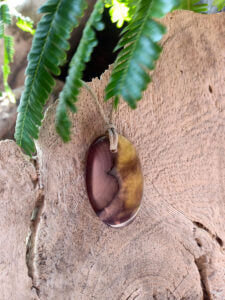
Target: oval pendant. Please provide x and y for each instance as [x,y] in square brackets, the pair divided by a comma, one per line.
[114,181]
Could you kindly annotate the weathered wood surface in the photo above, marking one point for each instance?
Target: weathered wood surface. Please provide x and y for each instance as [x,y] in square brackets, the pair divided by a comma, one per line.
[18,196]
[179,131]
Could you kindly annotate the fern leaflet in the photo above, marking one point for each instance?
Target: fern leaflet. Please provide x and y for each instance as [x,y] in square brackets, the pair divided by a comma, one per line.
[1,29]
[5,16]
[193,5]
[73,81]
[8,58]
[220,4]
[8,48]
[139,51]
[48,52]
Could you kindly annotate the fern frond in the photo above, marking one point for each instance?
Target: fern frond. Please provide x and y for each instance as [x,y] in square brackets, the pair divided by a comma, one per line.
[1,29]
[220,4]
[193,5]
[9,49]
[8,58]
[139,51]
[5,16]
[48,52]
[6,67]
[73,81]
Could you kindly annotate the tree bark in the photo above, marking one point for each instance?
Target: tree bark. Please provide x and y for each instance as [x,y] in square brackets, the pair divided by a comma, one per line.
[174,249]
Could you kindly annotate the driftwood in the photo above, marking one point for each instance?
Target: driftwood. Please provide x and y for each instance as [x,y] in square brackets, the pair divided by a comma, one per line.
[174,249]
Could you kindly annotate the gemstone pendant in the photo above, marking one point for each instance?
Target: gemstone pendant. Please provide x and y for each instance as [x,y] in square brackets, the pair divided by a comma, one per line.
[114,181]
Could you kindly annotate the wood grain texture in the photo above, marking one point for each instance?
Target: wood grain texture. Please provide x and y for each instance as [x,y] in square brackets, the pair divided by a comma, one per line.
[179,132]
[17,199]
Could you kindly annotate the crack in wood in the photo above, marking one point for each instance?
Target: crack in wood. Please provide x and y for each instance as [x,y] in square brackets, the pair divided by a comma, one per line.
[31,238]
[201,267]
[186,248]
[213,236]
[170,207]
[180,283]
[132,296]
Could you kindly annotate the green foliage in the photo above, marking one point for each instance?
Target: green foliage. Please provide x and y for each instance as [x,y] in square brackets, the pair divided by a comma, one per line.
[9,50]
[5,19]
[5,16]
[8,58]
[193,5]
[139,51]
[25,24]
[1,29]
[220,4]
[121,10]
[73,81]
[48,52]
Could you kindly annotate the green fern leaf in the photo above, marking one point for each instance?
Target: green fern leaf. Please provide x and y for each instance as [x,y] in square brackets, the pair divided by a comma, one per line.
[220,4]
[5,19]
[8,58]
[48,52]
[5,16]
[9,49]
[139,51]
[193,5]
[1,29]
[73,82]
